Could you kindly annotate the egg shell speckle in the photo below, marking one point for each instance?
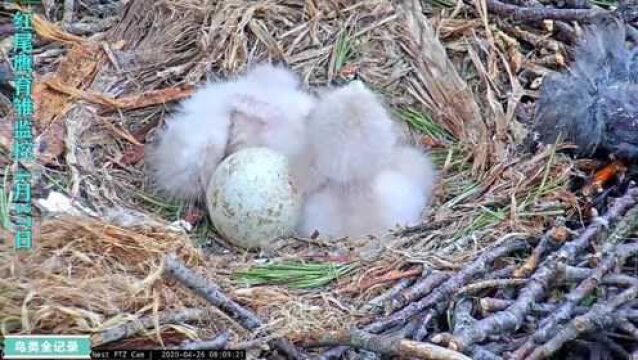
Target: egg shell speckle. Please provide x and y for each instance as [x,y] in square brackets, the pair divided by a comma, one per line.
[251,198]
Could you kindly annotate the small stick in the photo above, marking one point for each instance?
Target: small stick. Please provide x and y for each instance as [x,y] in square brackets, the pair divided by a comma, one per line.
[628,327]
[131,328]
[535,14]
[422,331]
[598,318]
[387,345]
[441,296]
[216,343]
[490,305]
[376,305]
[495,283]
[421,288]
[212,293]
[67,16]
[514,316]
[543,246]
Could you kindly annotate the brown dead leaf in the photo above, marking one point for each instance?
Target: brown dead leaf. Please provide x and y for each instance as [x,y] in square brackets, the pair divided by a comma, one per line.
[153,97]
[133,155]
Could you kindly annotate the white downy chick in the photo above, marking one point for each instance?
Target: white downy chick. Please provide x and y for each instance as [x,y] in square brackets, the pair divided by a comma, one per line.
[323,212]
[351,134]
[397,195]
[403,190]
[263,107]
[270,110]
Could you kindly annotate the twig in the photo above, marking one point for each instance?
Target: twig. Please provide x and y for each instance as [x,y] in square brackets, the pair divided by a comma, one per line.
[543,246]
[376,305]
[67,16]
[627,326]
[490,305]
[495,283]
[388,277]
[212,293]
[598,318]
[86,28]
[550,326]
[421,288]
[441,296]
[131,328]
[216,343]
[387,345]
[533,39]
[514,316]
[532,14]
[422,331]
[209,291]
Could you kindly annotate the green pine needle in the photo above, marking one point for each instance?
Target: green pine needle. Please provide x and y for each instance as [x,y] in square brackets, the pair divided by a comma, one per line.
[294,274]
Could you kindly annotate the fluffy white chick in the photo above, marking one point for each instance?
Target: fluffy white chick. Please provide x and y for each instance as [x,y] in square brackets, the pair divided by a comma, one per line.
[270,110]
[351,133]
[323,212]
[403,190]
[397,195]
[263,107]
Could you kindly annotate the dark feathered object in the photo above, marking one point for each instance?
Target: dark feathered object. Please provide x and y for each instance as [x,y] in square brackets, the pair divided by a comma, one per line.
[594,104]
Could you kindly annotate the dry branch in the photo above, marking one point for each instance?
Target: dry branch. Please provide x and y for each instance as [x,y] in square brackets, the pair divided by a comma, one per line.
[514,316]
[600,317]
[537,14]
[551,325]
[212,293]
[441,296]
[386,345]
[420,289]
[218,342]
[131,328]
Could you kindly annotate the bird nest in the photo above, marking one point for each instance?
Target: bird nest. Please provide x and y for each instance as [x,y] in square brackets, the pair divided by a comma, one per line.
[448,71]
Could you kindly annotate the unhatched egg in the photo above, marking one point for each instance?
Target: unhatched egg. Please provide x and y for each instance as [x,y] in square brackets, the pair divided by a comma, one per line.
[251,198]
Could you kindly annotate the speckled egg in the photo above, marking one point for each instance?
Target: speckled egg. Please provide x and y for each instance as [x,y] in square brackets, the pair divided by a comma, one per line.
[251,198]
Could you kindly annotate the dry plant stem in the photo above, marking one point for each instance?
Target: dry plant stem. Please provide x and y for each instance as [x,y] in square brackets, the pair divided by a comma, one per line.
[514,316]
[421,288]
[393,346]
[212,293]
[216,343]
[549,326]
[131,328]
[443,90]
[600,317]
[441,296]
[532,14]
